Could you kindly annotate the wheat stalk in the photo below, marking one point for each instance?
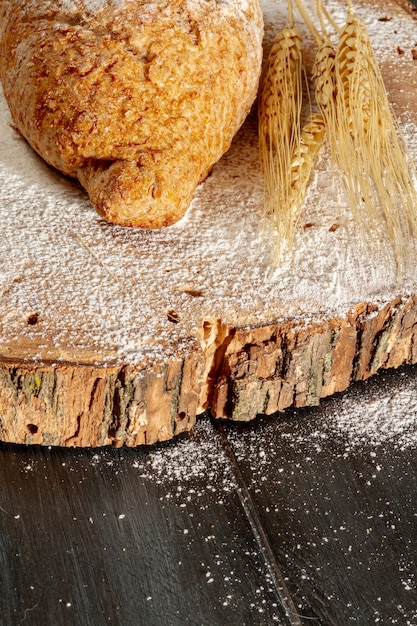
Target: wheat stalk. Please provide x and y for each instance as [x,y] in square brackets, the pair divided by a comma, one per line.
[364,136]
[281,95]
[325,80]
[279,114]
[287,151]
[303,159]
[323,72]
[378,171]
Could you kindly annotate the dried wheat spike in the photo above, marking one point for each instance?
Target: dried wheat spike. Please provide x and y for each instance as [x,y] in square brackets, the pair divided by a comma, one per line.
[324,77]
[312,138]
[281,95]
[356,71]
[279,115]
[368,145]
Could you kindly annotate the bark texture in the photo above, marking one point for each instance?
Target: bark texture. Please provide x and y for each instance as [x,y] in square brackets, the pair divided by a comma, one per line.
[235,373]
[85,405]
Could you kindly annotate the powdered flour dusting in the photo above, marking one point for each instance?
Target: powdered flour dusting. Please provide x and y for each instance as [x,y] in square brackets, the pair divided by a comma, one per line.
[131,294]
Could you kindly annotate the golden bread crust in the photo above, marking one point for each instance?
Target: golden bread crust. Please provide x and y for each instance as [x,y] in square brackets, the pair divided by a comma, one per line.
[136,99]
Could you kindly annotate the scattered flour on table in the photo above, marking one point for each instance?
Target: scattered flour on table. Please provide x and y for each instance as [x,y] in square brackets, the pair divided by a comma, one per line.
[382,417]
[196,460]
[184,468]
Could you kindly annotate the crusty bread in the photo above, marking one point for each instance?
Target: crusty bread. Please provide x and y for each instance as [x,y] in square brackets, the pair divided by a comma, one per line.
[136,99]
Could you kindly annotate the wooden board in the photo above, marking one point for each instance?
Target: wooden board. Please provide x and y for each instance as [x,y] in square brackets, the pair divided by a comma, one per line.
[110,336]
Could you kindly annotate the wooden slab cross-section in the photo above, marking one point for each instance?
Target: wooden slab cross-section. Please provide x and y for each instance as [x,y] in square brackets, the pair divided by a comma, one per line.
[110,336]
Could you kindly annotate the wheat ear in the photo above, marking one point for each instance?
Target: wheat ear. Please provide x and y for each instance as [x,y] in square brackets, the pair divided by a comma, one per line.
[317,128]
[325,80]
[279,115]
[378,170]
[323,72]
[303,160]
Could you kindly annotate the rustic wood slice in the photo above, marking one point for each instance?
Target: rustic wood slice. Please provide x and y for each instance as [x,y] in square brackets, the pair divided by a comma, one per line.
[113,336]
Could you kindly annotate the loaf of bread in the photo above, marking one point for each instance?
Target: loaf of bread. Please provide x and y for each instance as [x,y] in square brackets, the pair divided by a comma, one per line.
[137,99]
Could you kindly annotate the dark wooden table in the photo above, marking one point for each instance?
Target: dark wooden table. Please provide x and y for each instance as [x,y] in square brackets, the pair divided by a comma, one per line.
[301,518]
